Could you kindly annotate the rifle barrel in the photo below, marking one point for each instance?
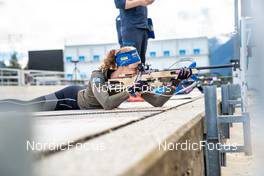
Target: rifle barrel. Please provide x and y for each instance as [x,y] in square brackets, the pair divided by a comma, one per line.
[216,67]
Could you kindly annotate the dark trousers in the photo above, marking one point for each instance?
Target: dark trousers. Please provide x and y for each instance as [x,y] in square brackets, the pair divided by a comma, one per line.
[137,38]
[67,98]
[64,99]
[133,37]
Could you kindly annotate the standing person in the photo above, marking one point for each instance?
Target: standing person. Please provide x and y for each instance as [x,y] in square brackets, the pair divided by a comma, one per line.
[133,26]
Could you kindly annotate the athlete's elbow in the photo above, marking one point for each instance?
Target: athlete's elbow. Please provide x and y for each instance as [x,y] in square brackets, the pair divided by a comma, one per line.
[158,104]
[108,107]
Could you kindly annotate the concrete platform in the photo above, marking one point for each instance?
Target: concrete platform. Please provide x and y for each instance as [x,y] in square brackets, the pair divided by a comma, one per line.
[124,141]
[73,126]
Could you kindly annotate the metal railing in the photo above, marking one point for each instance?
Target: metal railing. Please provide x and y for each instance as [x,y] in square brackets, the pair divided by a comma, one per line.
[18,77]
[217,126]
[10,77]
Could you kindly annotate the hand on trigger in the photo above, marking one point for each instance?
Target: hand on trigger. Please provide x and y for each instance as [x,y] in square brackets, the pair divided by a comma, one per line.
[185,73]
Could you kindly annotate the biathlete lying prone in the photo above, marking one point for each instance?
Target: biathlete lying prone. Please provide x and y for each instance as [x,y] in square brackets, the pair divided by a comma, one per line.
[95,95]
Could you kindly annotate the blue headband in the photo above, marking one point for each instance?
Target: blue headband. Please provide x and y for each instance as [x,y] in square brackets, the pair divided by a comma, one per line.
[127,58]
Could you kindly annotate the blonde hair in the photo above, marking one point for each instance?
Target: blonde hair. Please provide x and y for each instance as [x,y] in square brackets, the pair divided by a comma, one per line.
[109,61]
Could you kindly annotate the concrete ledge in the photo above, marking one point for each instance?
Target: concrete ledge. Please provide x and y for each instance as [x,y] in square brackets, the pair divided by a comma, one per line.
[175,162]
[134,149]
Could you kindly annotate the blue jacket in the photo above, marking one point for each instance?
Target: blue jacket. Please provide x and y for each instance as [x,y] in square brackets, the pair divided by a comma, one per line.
[132,18]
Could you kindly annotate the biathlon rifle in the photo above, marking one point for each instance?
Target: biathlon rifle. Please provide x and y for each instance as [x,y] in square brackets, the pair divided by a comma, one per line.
[157,78]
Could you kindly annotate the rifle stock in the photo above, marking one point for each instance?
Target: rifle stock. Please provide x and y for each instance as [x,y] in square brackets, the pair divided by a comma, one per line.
[156,78]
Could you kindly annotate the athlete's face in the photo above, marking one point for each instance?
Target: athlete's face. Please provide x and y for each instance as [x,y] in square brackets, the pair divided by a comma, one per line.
[130,69]
[133,66]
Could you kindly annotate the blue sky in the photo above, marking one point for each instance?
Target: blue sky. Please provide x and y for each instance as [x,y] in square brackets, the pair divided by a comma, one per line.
[48,24]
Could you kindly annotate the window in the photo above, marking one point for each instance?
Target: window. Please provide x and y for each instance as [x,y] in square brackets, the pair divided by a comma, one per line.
[196,51]
[81,58]
[166,53]
[182,52]
[68,58]
[152,54]
[69,76]
[96,58]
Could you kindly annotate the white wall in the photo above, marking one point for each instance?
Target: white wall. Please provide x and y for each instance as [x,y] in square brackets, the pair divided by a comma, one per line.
[159,62]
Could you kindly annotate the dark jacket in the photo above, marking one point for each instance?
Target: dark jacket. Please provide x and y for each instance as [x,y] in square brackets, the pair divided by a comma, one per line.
[132,18]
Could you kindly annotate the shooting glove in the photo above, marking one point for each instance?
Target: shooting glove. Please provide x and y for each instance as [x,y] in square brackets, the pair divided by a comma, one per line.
[185,73]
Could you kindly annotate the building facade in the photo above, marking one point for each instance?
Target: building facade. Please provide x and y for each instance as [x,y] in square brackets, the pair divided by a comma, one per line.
[161,54]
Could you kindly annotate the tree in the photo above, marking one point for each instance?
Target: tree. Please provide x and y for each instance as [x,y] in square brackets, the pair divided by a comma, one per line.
[14,61]
[2,64]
